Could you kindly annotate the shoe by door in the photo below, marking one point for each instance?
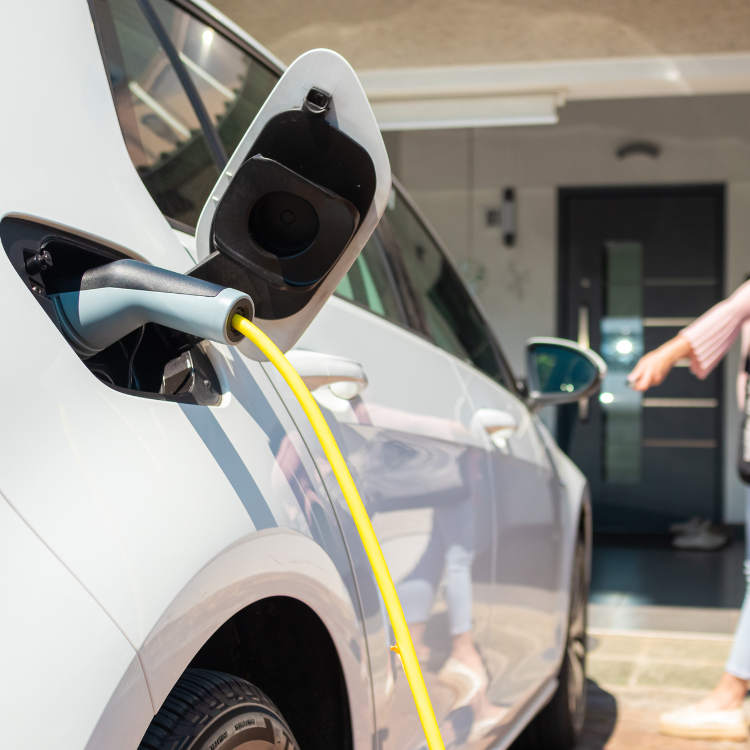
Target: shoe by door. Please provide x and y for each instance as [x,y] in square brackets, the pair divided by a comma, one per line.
[636,266]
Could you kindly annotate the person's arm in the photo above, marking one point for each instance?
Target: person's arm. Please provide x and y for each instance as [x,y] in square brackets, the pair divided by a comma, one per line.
[705,341]
[653,367]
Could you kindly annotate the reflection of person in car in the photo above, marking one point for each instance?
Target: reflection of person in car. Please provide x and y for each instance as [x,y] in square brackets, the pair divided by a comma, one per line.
[450,550]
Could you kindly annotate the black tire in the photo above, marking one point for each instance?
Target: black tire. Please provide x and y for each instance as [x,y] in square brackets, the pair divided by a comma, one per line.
[211,711]
[560,723]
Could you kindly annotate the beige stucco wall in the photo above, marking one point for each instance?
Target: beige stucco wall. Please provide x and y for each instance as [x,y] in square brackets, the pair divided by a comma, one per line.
[394,33]
[456,175]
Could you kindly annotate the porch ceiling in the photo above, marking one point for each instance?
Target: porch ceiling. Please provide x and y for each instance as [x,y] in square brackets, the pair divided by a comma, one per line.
[419,33]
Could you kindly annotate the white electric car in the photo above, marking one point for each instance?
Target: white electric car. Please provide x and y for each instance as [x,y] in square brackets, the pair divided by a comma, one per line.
[179,568]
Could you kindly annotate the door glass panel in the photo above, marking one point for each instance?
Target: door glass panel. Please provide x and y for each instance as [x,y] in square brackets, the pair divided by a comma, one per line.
[452,317]
[158,123]
[231,84]
[368,282]
[622,346]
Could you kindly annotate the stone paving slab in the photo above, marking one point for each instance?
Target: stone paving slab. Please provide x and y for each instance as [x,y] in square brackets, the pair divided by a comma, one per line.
[628,718]
[656,660]
[635,677]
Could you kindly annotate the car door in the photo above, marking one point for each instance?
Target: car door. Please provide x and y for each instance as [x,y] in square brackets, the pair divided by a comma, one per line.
[522,645]
[409,440]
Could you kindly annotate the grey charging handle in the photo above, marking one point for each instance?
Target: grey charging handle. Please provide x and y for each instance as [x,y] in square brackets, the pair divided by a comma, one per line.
[115,299]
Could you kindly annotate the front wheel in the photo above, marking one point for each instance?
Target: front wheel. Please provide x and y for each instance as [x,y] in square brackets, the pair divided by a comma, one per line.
[560,723]
[214,711]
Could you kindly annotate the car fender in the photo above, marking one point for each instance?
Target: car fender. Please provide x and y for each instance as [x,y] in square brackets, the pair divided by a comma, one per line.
[273,562]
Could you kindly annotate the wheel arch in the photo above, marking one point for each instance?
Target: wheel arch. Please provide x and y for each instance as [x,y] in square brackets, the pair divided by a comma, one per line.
[261,582]
[283,647]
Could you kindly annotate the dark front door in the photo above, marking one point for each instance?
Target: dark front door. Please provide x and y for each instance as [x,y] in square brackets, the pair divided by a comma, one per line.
[636,266]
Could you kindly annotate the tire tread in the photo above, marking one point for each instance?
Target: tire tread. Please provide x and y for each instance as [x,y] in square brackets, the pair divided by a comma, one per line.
[200,696]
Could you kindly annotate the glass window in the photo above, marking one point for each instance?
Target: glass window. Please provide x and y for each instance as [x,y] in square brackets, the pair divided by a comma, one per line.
[158,123]
[368,282]
[231,84]
[622,347]
[452,317]
[160,127]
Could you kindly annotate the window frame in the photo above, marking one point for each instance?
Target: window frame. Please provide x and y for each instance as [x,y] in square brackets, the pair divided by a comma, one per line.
[228,34]
[507,378]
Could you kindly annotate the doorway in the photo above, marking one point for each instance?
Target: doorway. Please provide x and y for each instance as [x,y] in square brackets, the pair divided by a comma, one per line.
[637,265]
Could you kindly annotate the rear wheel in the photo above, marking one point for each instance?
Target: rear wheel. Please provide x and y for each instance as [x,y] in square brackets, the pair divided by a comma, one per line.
[560,723]
[214,711]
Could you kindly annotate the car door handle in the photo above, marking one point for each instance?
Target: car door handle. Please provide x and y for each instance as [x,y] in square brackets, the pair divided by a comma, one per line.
[345,378]
[499,425]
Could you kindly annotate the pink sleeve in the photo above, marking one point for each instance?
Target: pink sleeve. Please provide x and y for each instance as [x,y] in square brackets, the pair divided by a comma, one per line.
[714,332]
[742,375]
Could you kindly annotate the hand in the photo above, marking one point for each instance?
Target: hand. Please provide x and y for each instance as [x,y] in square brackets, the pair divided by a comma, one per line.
[653,367]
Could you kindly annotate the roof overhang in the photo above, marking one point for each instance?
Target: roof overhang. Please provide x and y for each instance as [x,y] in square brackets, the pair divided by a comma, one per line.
[531,93]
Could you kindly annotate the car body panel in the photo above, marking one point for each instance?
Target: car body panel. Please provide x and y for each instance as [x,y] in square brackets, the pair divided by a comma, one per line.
[529,609]
[71,635]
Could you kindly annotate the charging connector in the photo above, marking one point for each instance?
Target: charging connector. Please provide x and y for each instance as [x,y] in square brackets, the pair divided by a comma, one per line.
[115,299]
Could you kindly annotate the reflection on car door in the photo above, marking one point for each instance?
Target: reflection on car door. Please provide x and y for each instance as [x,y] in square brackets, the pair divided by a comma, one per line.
[523,644]
[419,467]
[528,618]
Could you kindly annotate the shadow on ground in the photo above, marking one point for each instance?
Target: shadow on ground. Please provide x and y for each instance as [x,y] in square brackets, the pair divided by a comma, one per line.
[601,718]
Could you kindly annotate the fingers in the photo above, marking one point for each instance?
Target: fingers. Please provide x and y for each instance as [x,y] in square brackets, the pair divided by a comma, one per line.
[646,379]
[650,371]
[638,378]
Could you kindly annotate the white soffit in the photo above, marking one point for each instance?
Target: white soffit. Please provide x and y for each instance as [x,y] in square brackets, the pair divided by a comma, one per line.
[466,111]
[530,93]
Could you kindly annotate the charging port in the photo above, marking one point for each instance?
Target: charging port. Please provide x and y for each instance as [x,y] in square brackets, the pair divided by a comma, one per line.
[152,362]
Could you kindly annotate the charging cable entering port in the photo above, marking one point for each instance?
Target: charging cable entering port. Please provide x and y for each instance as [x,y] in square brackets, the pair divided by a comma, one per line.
[404,646]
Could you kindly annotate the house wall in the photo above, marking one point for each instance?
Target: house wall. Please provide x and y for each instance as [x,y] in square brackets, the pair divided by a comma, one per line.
[456,175]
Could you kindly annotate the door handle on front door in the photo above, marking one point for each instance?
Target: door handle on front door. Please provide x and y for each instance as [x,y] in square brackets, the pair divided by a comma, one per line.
[499,425]
[345,378]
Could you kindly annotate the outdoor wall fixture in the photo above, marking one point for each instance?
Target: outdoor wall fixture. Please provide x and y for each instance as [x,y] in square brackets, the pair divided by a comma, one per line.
[639,148]
[505,217]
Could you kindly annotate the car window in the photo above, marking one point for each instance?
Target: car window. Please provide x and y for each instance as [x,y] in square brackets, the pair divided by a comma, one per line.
[452,318]
[369,283]
[161,129]
[231,84]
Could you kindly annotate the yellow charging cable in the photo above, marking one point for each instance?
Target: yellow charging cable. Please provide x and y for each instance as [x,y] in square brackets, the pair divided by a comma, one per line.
[404,647]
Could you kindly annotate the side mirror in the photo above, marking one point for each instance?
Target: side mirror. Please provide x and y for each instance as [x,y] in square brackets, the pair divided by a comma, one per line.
[299,198]
[561,371]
